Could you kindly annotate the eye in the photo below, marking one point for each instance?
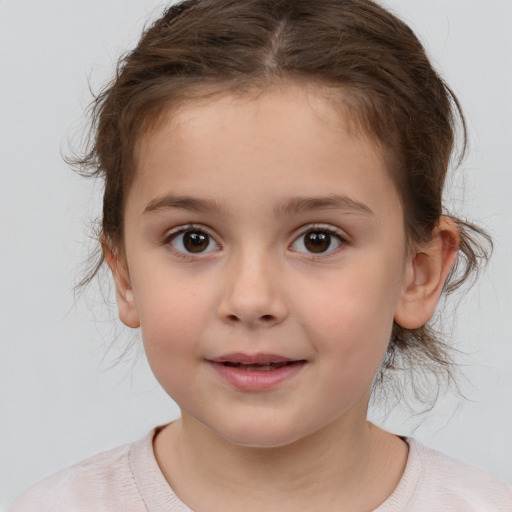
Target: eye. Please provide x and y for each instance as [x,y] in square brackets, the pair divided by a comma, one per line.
[318,241]
[192,241]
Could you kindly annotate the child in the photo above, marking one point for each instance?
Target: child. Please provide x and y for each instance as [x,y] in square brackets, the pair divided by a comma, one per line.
[273,222]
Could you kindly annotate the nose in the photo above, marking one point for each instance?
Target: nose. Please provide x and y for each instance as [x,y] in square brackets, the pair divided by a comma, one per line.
[252,295]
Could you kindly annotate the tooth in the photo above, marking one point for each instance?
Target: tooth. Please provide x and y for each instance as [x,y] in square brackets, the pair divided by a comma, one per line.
[255,366]
[258,367]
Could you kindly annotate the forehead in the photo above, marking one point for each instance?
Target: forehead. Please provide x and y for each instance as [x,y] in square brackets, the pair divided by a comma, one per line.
[333,106]
[282,142]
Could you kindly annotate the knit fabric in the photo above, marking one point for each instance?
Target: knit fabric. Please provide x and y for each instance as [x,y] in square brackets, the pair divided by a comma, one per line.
[128,478]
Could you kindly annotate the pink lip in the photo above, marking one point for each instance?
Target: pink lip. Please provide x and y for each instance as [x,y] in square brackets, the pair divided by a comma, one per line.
[255,380]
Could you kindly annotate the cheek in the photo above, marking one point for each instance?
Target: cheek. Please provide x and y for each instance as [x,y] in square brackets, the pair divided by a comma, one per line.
[172,326]
[173,315]
[351,318]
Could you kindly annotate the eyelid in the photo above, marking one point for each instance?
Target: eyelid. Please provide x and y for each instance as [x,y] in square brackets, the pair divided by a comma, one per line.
[319,226]
[188,227]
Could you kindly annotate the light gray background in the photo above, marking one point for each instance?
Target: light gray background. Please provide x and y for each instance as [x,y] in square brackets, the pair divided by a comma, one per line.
[59,401]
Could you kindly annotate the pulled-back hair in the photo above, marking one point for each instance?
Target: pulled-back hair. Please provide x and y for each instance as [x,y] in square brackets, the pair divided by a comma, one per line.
[356,49]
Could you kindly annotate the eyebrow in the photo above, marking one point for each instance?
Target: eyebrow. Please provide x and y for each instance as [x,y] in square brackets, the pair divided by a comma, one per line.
[187,203]
[295,204]
[332,202]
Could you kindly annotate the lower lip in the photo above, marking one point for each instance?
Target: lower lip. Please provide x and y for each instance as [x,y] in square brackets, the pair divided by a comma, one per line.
[257,380]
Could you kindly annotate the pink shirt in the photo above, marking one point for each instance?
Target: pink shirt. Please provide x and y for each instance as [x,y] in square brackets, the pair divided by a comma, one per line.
[128,479]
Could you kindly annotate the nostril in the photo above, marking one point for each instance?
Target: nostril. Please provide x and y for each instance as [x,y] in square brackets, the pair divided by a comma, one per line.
[267,318]
[233,318]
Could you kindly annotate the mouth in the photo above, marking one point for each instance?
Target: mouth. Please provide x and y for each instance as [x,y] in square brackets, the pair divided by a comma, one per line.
[259,372]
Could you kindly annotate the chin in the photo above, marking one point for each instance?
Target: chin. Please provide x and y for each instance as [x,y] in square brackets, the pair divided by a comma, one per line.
[260,434]
[259,440]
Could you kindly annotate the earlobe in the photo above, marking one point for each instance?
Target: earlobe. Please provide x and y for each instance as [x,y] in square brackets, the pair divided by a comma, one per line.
[425,276]
[126,304]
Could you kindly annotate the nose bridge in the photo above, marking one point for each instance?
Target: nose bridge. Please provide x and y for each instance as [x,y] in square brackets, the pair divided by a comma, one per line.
[252,294]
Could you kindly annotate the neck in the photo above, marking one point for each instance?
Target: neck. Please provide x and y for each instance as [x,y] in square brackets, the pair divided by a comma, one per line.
[338,467]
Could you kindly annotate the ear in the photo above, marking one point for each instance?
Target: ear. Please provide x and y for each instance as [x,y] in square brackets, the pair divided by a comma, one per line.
[126,304]
[425,275]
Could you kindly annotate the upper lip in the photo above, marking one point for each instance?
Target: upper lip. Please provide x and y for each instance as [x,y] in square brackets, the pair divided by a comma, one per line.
[252,359]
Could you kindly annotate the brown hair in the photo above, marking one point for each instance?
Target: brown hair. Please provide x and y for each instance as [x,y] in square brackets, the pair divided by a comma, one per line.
[355,46]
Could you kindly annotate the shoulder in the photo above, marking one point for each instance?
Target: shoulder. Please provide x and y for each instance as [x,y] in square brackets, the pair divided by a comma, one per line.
[442,483]
[88,485]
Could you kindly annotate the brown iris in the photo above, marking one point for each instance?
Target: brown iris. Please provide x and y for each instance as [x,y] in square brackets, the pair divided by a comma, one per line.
[317,241]
[195,241]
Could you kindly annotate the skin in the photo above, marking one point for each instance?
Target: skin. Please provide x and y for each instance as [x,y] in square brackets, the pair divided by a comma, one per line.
[245,166]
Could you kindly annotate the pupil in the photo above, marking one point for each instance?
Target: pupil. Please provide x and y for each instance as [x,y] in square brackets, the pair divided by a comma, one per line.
[195,241]
[317,241]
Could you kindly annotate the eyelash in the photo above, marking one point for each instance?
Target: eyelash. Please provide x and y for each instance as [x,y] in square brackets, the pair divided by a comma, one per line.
[325,229]
[189,228]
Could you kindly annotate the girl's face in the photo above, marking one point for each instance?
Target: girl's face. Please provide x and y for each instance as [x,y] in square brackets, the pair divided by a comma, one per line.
[265,259]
